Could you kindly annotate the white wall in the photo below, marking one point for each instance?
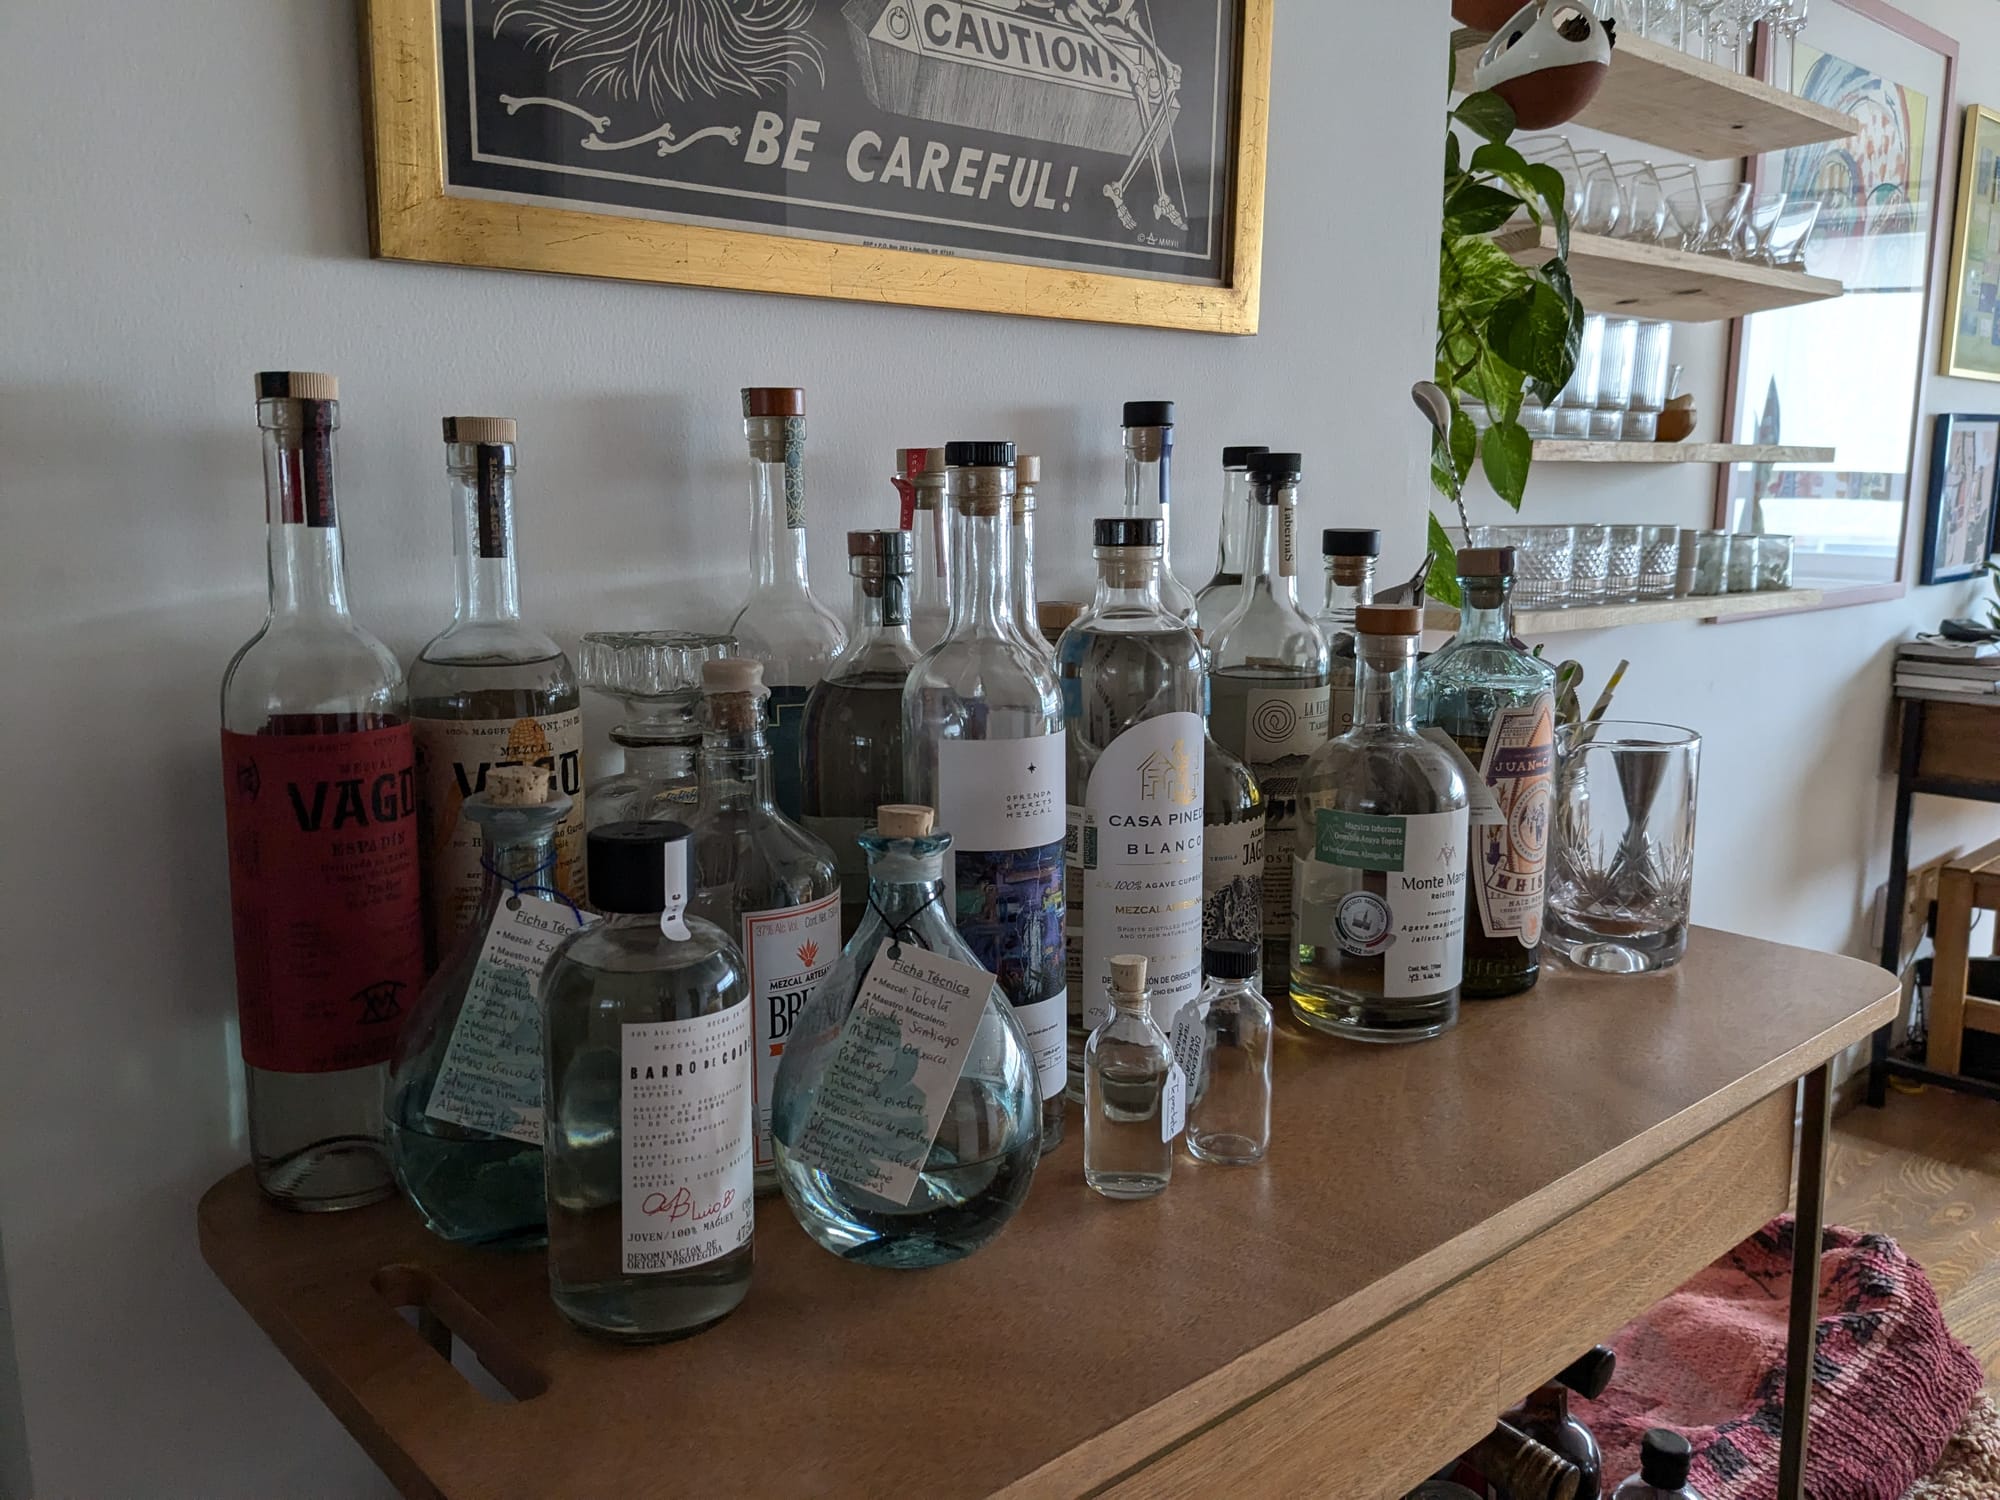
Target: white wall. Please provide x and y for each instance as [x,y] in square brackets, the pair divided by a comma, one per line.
[199,214]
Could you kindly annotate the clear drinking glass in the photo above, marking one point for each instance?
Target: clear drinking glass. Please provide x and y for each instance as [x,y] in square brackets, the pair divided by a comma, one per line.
[1651,349]
[1574,406]
[1622,869]
[1793,233]
[1621,568]
[1758,221]
[1774,562]
[1590,565]
[1659,561]
[1544,558]
[1689,214]
[1645,216]
[1711,563]
[1724,203]
[1741,574]
[1601,198]
[1614,378]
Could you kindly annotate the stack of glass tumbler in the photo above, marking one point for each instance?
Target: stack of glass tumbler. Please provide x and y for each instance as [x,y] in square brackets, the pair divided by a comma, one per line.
[1566,567]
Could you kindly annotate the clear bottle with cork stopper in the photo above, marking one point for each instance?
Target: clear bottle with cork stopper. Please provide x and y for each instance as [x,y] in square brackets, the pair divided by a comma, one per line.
[926,516]
[1216,598]
[1148,434]
[656,675]
[490,689]
[1027,604]
[1350,555]
[328,924]
[1128,1112]
[1378,927]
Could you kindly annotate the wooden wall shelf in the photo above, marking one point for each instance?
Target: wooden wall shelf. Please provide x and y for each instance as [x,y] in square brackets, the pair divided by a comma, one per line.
[1531,624]
[1660,95]
[1646,281]
[1579,451]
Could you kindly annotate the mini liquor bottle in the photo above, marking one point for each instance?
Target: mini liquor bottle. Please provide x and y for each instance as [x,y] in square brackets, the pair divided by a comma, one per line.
[656,675]
[647,1101]
[1350,583]
[1270,686]
[1545,1416]
[1027,606]
[782,624]
[1519,1468]
[1128,1145]
[319,787]
[962,1165]
[1665,1461]
[1133,691]
[1498,705]
[761,878]
[1216,598]
[927,517]
[1229,1098]
[489,690]
[983,744]
[1378,932]
[853,736]
[1149,465]
[465,1090]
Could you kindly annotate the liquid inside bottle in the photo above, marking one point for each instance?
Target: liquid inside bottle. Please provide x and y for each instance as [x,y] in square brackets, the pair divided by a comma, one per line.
[1128,1149]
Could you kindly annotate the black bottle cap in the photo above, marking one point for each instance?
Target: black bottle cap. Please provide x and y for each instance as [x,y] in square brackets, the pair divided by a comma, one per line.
[1589,1376]
[965,455]
[1279,468]
[627,868]
[1356,542]
[1227,959]
[1126,531]
[1239,458]
[1149,414]
[1664,1459]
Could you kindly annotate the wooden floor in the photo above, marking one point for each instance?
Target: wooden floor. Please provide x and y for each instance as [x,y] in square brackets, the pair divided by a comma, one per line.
[1926,1169]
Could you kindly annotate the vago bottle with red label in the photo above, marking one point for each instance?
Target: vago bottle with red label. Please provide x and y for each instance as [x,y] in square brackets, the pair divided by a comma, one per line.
[319,783]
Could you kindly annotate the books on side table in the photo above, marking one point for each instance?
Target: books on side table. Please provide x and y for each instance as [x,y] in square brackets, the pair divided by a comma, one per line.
[1931,665]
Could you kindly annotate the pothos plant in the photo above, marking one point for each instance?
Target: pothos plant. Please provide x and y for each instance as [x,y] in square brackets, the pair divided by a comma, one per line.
[1503,329]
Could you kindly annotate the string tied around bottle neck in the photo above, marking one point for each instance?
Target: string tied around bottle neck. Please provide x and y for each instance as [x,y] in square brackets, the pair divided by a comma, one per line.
[533,884]
[899,931]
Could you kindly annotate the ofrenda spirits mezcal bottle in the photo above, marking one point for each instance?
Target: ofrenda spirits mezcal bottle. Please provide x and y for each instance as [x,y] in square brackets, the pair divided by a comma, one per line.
[983,744]
[782,624]
[490,690]
[319,785]
[656,675]
[1149,489]
[1216,598]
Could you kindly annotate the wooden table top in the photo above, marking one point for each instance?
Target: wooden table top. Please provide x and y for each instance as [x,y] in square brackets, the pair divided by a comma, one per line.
[1091,1334]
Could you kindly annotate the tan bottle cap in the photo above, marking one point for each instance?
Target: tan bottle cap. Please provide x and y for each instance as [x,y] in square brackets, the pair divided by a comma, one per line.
[1389,619]
[1057,614]
[1128,973]
[1486,562]
[517,786]
[920,461]
[732,674]
[902,820]
[296,385]
[1028,469]
[773,401]
[479,429]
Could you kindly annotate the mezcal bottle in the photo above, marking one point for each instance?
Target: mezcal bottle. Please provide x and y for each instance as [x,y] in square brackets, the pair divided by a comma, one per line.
[1350,583]
[760,877]
[656,675]
[1378,924]
[782,624]
[1027,604]
[854,717]
[983,744]
[1498,704]
[1149,467]
[1216,598]
[927,517]
[1270,686]
[1232,852]
[491,690]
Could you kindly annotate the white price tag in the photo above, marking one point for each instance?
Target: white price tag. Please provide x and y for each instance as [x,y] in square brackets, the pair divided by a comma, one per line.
[674,891]
[1173,1104]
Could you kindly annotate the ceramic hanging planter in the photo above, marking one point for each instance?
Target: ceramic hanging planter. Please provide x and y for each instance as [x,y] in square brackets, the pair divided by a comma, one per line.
[1547,61]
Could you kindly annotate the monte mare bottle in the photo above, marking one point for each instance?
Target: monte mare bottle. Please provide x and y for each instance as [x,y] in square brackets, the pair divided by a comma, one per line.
[1216,598]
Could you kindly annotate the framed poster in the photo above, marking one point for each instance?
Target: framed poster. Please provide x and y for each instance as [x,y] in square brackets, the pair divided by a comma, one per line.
[1965,491]
[1972,297]
[1847,373]
[1096,159]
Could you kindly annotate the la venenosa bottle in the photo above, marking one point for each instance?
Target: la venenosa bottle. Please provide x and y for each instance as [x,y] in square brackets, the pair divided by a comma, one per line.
[319,785]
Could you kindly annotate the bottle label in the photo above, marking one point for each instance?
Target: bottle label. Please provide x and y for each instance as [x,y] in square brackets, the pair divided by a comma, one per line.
[788,952]
[684,1117]
[1510,853]
[784,718]
[324,895]
[1232,881]
[1142,858]
[1392,887]
[491,479]
[1288,524]
[880,1101]
[1173,1104]
[795,482]
[491,1076]
[675,890]
[453,759]
[1002,794]
[309,500]
[1281,723]
[1079,845]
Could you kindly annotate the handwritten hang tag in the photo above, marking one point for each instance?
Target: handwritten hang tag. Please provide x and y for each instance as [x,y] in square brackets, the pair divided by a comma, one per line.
[1173,1104]
[674,891]
[884,1095]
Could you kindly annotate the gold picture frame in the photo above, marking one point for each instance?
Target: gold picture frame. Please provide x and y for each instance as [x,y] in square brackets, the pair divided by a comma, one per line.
[412,216]
[1978,215]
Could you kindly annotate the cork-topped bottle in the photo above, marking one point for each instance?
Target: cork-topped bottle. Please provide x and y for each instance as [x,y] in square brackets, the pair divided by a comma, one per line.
[926,516]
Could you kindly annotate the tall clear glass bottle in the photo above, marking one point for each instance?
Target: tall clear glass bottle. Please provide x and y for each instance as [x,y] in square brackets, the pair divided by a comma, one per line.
[1378,924]
[927,517]
[1216,598]
[1134,686]
[489,690]
[761,878]
[1498,704]
[983,744]
[1027,602]
[656,675]
[1128,1146]
[648,1132]
[782,624]
[1149,489]
[854,717]
[1270,686]
[1350,583]
[319,787]
[1232,852]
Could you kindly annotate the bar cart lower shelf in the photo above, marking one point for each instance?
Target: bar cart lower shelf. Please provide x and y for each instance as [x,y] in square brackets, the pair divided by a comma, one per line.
[1439,1228]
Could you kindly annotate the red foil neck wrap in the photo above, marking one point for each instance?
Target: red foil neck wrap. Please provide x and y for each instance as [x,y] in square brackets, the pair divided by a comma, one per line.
[308,494]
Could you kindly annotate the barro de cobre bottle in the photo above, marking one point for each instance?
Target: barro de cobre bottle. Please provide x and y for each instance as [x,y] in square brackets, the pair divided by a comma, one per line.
[656,676]
[648,1134]
[319,786]
[908,1111]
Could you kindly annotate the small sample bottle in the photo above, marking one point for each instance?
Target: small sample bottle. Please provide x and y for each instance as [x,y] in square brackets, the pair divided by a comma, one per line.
[648,1132]
[920,481]
[1378,927]
[956,1194]
[1229,1100]
[853,735]
[1128,1145]
[1149,490]
[1027,491]
[1350,583]
[1665,1461]
[1216,598]
[656,675]
[1545,1416]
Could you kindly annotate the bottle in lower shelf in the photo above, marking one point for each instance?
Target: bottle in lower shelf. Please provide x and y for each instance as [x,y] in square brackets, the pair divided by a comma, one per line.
[1545,1416]
[1665,1459]
[1519,1468]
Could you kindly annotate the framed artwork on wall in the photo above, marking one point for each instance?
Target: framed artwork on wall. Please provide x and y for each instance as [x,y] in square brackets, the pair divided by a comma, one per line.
[1094,159]
[1964,496]
[1972,305]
